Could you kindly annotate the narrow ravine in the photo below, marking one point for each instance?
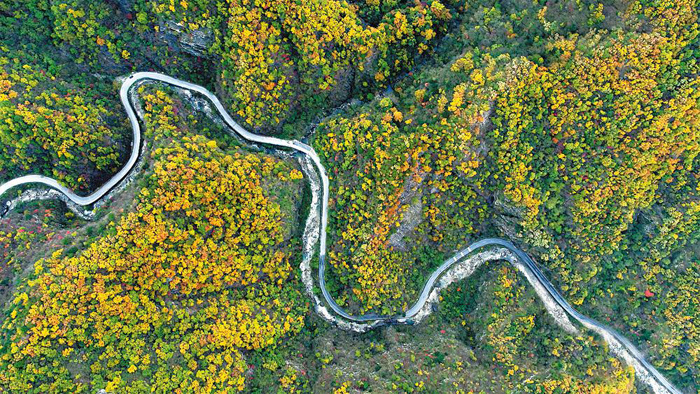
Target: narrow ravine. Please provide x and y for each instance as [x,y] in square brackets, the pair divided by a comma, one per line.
[459,266]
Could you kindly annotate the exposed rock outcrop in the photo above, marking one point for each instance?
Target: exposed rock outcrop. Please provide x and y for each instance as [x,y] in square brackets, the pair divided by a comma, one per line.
[195,42]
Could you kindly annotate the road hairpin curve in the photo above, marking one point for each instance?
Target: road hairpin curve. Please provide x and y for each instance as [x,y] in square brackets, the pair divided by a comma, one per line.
[618,343]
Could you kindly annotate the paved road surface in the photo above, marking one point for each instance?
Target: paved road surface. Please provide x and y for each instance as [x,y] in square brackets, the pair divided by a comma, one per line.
[608,333]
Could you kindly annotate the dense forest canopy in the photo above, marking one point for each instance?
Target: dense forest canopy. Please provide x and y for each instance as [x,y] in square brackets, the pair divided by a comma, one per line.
[571,127]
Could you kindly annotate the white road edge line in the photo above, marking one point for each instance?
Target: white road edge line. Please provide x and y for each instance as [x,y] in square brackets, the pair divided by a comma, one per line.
[647,373]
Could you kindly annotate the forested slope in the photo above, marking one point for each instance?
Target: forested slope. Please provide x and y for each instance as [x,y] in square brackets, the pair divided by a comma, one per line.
[571,127]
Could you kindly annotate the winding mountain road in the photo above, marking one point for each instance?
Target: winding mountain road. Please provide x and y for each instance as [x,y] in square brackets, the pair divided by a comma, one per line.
[626,349]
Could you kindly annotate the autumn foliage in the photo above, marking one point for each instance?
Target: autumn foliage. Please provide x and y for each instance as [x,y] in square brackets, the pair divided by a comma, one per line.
[281,59]
[49,128]
[173,293]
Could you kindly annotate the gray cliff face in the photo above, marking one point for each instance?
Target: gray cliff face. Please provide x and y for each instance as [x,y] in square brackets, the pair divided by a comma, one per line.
[196,42]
